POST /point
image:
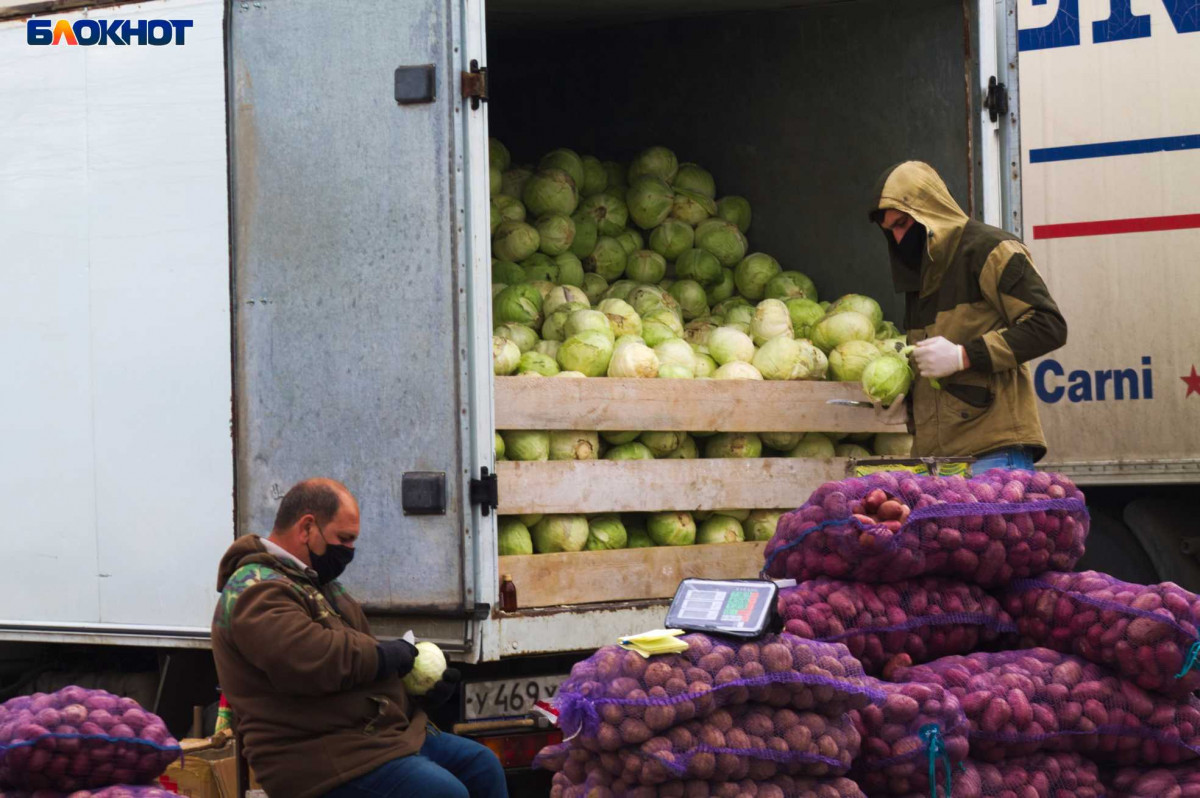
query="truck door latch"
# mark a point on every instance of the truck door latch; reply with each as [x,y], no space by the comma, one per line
[475,84]
[996,101]
[484,491]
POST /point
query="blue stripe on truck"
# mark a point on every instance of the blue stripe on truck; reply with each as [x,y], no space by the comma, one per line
[1108,149]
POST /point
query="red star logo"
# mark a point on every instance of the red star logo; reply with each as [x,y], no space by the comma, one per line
[1193,383]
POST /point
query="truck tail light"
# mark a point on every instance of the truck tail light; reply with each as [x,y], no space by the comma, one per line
[518,750]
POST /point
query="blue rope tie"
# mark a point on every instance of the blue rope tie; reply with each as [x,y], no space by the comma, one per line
[935,746]
[1193,655]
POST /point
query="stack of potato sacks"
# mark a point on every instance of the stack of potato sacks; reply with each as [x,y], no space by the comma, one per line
[1026,679]
[769,717]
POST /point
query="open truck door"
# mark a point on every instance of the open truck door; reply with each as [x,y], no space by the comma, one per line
[361,343]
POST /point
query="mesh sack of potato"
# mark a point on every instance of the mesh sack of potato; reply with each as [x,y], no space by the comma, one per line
[1146,633]
[590,780]
[902,623]
[81,739]
[616,698]
[1037,776]
[914,739]
[1182,781]
[892,526]
[1036,700]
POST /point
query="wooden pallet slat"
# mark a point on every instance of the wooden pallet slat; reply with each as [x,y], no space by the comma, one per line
[684,405]
[588,577]
[600,486]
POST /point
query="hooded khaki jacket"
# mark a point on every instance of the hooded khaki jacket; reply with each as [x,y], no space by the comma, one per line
[298,665]
[977,286]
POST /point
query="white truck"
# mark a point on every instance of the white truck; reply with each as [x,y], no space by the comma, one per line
[257,250]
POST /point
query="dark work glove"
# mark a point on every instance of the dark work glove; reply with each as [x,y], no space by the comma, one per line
[395,656]
[441,692]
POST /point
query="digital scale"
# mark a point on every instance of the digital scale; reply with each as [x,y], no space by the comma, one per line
[737,607]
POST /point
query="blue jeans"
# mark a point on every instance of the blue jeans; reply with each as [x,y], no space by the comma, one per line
[448,766]
[1012,457]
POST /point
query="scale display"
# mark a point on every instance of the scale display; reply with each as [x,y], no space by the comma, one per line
[740,607]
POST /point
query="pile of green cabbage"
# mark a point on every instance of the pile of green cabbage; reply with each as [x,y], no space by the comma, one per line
[543,445]
[547,534]
[640,270]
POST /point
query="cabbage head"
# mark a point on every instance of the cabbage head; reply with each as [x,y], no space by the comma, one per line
[606,532]
[587,352]
[428,668]
[838,328]
[719,529]
[727,345]
[847,361]
[514,537]
[556,533]
[671,528]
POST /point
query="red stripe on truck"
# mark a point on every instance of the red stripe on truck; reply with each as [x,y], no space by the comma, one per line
[1108,227]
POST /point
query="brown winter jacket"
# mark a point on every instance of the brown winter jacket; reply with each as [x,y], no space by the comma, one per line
[298,666]
[977,286]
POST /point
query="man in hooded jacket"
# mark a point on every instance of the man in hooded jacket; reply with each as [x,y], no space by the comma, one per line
[977,311]
[318,700]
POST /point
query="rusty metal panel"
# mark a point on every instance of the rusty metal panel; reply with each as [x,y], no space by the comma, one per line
[350,287]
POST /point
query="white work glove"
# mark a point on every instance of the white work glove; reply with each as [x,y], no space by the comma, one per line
[895,413]
[936,358]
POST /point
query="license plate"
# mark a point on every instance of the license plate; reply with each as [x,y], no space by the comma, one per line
[509,697]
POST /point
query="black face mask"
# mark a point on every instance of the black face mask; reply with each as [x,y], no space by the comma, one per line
[911,248]
[329,566]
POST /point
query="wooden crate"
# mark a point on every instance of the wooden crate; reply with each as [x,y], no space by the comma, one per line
[600,486]
[683,405]
[589,577]
[627,486]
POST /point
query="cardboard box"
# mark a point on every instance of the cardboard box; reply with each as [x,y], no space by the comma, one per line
[204,774]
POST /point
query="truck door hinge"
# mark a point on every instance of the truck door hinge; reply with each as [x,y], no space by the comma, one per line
[485,491]
[475,84]
[996,101]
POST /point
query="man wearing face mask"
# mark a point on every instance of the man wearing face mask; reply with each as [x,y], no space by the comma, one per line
[319,701]
[977,311]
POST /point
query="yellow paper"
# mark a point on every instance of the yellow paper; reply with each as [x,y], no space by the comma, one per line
[654,642]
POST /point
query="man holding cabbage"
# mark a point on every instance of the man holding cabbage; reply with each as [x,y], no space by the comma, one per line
[324,708]
[976,311]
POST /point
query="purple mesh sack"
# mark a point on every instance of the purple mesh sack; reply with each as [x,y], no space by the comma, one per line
[1037,776]
[1024,702]
[115,791]
[1146,633]
[617,698]
[740,742]
[916,738]
[908,622]
[77,739]
[891,526]
[591,781]
[1177,782]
